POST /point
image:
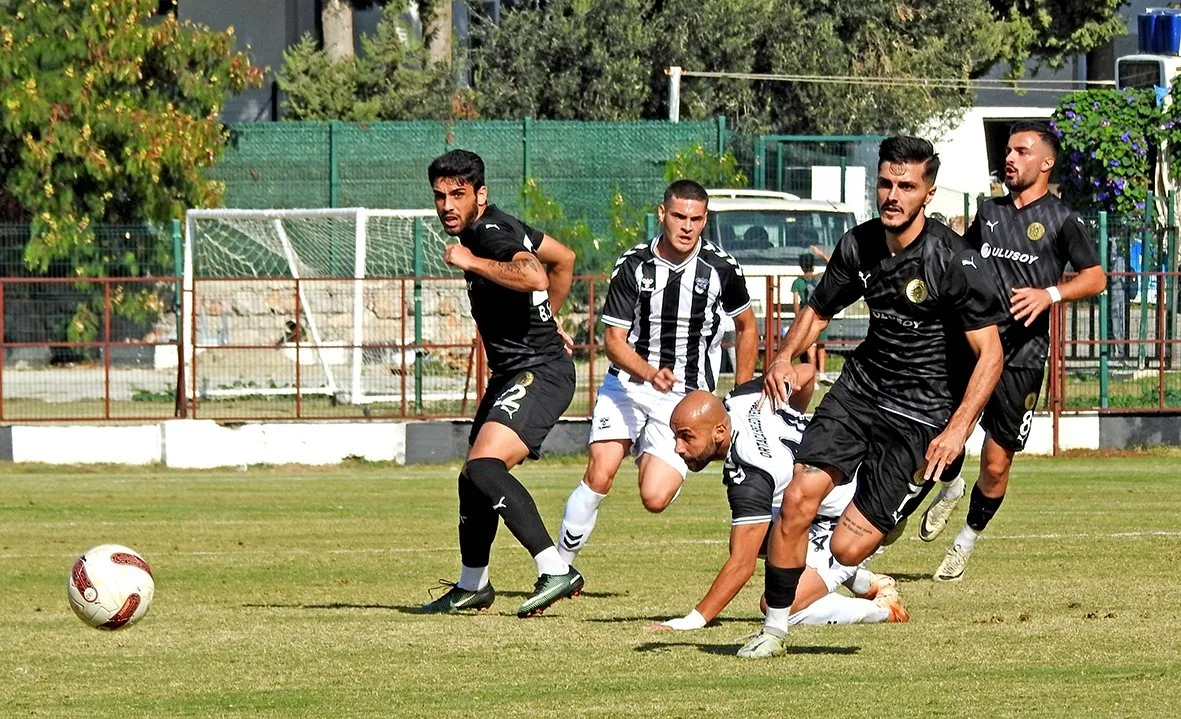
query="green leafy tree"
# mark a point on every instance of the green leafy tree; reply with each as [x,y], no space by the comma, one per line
[393,80]
[1051,31]
[572,60]
[107,118]
[711,170]
[605,60]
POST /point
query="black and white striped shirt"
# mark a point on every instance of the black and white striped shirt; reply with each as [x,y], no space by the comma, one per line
[672,311]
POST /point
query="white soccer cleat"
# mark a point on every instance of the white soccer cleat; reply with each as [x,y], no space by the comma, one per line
[890,600]
[951,569]
[937,514]
[764,644]
[880,583]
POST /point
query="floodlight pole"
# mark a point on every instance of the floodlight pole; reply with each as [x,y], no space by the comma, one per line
[674,93]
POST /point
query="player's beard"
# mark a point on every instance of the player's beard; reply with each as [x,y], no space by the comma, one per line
[465,221]
[1020,182]
[906,221]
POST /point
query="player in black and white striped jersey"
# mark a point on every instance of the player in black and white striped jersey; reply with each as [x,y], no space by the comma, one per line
[664,314]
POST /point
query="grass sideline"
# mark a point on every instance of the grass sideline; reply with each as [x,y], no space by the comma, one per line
[289,592]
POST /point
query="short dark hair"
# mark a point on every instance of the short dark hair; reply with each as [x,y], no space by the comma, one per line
[463,165]
[686,190]
[906,150]
[807,262]
[1043,131]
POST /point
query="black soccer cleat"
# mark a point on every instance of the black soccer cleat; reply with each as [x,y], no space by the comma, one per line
[458,600]
[549,589]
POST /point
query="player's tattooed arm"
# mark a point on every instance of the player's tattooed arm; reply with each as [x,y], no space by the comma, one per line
[559,267]
[523,272]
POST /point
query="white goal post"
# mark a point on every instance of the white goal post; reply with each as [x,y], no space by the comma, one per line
[331,255]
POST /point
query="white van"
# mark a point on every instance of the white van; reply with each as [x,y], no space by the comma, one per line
[768,231]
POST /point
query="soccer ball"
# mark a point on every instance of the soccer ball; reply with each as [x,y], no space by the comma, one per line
[110,587]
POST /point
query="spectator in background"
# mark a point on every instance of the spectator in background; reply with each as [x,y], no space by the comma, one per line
[801,290]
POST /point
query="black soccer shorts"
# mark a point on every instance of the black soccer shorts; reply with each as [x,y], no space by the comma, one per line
[888,452]
[1008,415]
[529,402]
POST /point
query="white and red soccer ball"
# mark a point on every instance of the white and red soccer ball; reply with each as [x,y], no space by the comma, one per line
[111,587]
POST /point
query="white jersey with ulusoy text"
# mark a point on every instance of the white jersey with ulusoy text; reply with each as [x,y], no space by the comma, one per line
[673,313]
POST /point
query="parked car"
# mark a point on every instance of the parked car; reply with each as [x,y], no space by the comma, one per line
[767,232]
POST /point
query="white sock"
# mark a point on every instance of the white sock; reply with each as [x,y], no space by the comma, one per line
[549,562]
[472,579]
[838,609]
[861,581]
[777,620]
[966,539]
[582,509]
[953,487]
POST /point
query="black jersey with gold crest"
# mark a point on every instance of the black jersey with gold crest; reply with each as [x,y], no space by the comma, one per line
[1029,247]
[921,301]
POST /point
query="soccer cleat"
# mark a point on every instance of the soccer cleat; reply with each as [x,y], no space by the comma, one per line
[458,600]
[879,584]
[549,589]
[890,600]
[951,569]
[937,514]
[763,644]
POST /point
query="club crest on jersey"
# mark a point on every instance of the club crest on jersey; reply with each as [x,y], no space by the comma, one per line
[1035,231]
[916,290]
[701,285]
[1031,400]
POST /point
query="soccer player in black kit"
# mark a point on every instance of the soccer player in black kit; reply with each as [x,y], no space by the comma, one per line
[1028,235]
[513,299]
[907,397]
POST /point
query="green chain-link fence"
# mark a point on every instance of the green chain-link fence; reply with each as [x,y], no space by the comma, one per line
[383,164]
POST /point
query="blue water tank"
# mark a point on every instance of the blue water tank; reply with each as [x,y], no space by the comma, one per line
[1147,30]
[1166,35]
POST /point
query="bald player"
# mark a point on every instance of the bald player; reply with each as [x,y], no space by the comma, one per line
[758,445]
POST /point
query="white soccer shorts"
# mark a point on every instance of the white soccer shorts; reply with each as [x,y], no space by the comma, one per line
[639,413]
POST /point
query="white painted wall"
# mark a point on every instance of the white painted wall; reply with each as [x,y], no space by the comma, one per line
[202,444]
[82,444]
[196,444]
[1079,431]
[964,159]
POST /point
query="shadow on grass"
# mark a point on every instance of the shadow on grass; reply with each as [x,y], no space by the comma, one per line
[720,620]
[732,649]
[910,576]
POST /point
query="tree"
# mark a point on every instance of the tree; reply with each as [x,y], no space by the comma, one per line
[572,60]
[605,60]
[108,118]
[336,21]
[393,80]
[1050,31]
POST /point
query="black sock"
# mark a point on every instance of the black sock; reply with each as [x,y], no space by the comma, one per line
[780,585]
[477,524]
[981,508]
[512,502]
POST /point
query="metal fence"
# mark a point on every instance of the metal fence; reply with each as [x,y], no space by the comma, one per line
[383,164]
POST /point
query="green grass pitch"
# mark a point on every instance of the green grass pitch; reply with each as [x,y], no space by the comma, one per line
[289,592]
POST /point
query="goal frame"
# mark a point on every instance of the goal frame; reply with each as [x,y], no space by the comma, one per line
[360,216]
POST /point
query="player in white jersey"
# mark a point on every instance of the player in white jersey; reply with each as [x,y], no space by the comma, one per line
[664,314]
[758,445]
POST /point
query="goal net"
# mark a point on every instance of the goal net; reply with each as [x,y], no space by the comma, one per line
[335,302]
